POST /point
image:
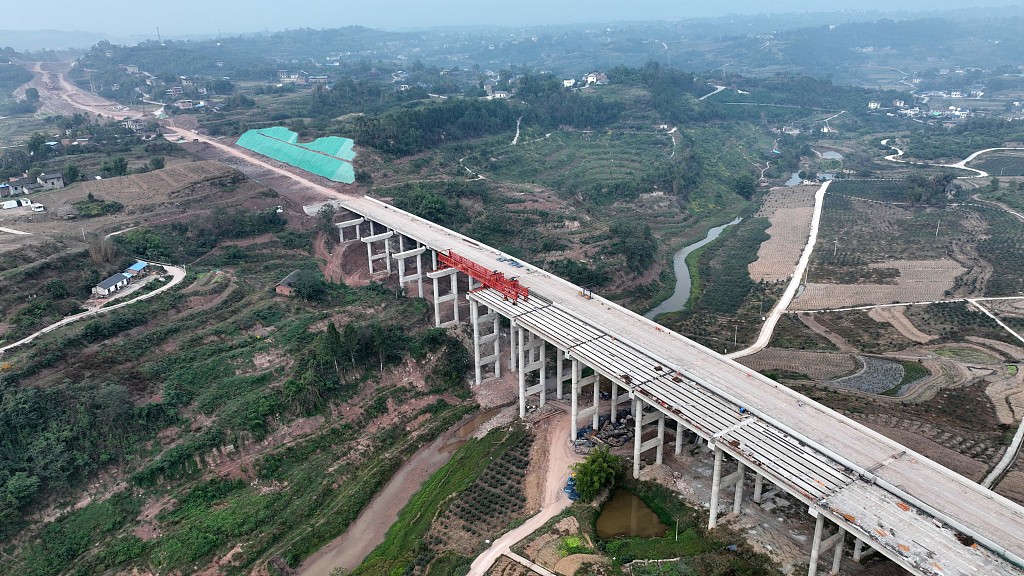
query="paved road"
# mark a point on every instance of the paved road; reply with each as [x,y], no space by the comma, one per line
[765,336]
[177,275]
[962,165]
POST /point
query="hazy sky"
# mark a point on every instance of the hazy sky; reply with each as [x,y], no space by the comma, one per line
[132,17]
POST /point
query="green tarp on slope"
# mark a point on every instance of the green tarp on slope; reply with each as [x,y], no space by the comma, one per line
[329,157]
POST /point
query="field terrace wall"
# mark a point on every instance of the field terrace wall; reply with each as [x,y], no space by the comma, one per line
[890,499]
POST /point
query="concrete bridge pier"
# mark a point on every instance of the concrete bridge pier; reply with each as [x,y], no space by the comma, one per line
[402,256]
[452,296]
[641,419]
[374,255]
[616,400]
[559,372]
[819,546]
[486,342]
[719,483]
[530,358]
[355,223]
[859,551]
[576,388]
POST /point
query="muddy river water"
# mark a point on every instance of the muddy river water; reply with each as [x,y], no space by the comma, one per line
[677,301]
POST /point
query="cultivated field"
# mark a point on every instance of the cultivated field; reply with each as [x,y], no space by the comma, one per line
[790,211]
[819,366]
[1000,163]
[916,281]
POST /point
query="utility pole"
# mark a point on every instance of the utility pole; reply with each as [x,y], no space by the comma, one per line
[735,329]
[835,247]
[937,228]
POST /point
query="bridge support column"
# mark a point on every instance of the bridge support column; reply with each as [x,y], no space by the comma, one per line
[531,357]
[578,383]
[738,497]
[716,486]
[401,258]
[482,337]
[719,483]
[679,438]
[638,419]
[574,402]
[356,223]
[758,488]
[596,418]
[639,446]
[513,345]
[383,237]
[522,375]
[559,372]
[660,454]
[818,546]
[859,551]
[452,296]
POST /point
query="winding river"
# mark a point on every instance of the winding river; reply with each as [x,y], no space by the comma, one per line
[677,301]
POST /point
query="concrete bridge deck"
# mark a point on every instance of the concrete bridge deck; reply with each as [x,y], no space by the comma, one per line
[899,502]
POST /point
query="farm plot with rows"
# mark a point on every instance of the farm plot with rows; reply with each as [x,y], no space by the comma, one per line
[916,281]
[486,508]
[877,376]
[1000,163]
[855,233]
[957,321]
[819,366]
[789,210]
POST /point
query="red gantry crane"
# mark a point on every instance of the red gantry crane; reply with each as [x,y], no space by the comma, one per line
[509,287]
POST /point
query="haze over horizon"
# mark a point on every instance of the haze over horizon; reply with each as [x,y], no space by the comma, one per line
[122,18]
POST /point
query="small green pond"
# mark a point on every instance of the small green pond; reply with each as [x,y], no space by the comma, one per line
[627,515]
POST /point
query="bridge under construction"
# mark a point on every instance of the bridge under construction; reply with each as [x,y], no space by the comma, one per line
[857,484]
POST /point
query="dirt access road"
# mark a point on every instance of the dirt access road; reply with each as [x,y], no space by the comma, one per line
[553,499]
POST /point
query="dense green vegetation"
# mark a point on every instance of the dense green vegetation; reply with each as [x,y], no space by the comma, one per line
[597,472]
[186,241]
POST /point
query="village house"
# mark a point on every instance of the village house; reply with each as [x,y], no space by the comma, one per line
[599,78]
[23,186]
[111,285]
[286,286]
[51,181]
[874,105]
[121,279]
